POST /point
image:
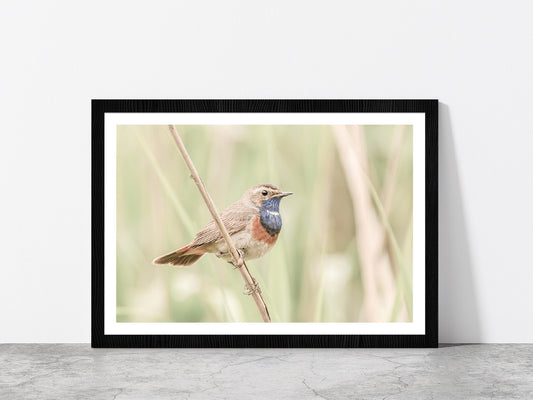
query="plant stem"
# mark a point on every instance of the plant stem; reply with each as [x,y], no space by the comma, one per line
[251,283]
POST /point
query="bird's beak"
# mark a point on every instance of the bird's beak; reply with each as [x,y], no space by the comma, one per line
[283,194]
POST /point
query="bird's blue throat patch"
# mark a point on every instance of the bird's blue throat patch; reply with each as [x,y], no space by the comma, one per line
[270,218]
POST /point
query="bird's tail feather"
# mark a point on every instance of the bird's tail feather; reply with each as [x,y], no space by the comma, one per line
[184,256]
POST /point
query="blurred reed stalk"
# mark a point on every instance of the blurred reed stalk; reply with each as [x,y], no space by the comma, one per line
[389,184]
[387,196]
[392,168]
[250,282]
[376,271]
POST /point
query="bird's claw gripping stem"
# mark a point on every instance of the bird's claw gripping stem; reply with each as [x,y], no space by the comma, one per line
[240,261]
[254,289]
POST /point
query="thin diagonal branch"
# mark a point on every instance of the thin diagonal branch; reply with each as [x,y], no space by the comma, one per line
[251,283]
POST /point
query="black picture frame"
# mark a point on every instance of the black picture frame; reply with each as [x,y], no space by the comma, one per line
[428,107]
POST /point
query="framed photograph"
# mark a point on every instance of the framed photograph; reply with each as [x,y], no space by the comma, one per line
[264,223]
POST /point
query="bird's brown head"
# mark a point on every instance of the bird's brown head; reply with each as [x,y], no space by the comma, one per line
[264,194]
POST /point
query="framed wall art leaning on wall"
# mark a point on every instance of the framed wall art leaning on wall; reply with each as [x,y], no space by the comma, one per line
[264,223]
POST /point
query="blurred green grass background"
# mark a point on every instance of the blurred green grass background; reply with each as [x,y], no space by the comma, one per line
[334,260]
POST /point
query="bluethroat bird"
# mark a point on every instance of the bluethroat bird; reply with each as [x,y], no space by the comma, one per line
[253,223]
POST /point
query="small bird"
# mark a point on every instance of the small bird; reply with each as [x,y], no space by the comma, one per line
[253,223]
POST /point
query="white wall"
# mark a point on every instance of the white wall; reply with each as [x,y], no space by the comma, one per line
[474,56]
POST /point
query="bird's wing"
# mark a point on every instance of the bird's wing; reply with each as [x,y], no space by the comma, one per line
[235,218]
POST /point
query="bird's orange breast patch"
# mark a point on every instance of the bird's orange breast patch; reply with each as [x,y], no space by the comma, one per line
[259,233]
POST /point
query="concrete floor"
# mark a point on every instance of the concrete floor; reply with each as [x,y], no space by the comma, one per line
[66,371]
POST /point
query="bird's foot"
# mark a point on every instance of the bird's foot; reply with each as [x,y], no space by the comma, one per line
[254,289]
[229,258]
[240,261]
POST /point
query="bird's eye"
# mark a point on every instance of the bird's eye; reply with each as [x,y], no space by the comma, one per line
[264,192]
